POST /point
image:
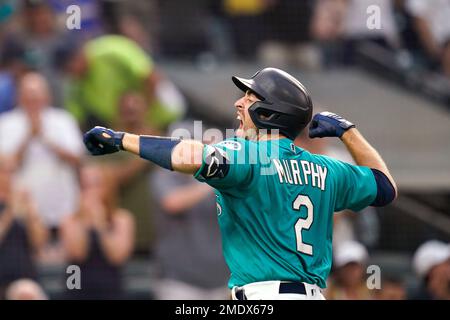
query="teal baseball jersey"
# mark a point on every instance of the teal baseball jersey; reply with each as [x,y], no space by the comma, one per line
[275,204]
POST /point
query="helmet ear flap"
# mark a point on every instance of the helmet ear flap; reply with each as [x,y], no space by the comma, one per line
[263,117]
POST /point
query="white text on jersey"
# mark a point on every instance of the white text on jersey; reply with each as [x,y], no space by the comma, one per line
[301,172]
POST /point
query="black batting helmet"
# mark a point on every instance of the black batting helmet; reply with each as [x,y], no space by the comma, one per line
[285,103]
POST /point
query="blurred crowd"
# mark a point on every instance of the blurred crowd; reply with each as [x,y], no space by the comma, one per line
[60,207]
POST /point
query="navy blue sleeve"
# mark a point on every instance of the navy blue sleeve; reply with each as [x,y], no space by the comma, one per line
[158,150]
[385,189]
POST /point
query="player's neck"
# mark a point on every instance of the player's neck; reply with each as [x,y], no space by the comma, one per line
[269,136]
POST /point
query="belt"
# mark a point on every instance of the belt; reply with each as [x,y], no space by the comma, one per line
[292,287]
[285,287]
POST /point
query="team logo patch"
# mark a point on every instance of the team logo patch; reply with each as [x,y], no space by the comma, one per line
[232,145]
[293,149]
[216,161]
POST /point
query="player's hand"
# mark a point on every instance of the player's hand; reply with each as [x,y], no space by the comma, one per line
[328,124]
[100,141]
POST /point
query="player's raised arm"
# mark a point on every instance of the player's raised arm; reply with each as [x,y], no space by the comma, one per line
[364,154]
[327,124]
[170,153]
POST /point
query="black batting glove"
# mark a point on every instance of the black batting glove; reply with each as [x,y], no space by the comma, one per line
[328,124]
[100,141]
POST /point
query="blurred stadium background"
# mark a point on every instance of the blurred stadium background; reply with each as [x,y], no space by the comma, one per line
[150,66]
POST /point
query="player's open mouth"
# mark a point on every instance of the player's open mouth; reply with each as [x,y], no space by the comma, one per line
[241,123]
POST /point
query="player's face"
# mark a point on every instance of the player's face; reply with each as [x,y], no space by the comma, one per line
[247,128]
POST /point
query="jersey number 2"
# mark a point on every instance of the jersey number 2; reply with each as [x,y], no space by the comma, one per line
[303,223]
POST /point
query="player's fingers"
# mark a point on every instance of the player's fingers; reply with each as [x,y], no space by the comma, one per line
[90,139]
[91,148]
[315,132]
[313,128]
[91,143]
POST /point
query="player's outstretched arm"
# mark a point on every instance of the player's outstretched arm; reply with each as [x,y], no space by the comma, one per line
[171,153]
[327,124]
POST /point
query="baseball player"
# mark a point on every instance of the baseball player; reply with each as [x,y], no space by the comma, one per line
[275,201]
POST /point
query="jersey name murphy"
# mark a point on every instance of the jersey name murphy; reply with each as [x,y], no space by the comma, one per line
[301,172]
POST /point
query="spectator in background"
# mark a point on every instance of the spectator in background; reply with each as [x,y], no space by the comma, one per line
[13,65]
[289,41]
[347,21]
[122,65]
[141,21]
[132,111]
[433,28]
[133,173]
[32,134]
[130,27]
[40,36]
[183,27]
[188,245]
[247,24]
[327,20]
[8,20]
[348,281]
[392,288]
[22,233]
[25,289]
[99,237]
[431,263]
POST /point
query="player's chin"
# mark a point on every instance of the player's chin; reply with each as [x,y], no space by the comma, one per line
[240,133]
